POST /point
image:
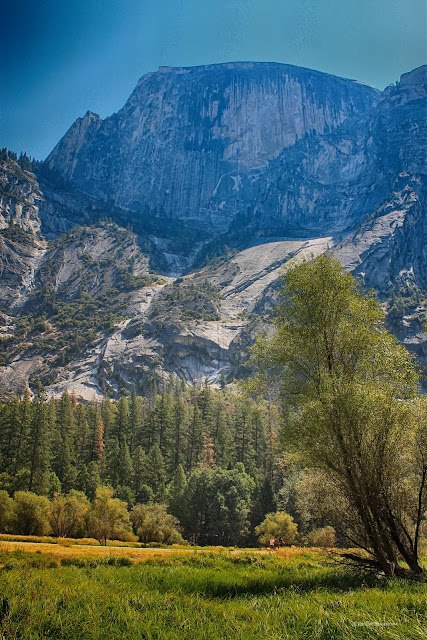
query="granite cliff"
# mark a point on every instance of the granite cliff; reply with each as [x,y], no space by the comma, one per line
[152,241]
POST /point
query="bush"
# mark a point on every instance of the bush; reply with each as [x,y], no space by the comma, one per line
[67,513]
[279,525]
[152,523]
[30,514]
[324,537]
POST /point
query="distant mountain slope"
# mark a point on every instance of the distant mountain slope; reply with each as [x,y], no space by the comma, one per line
[152,242]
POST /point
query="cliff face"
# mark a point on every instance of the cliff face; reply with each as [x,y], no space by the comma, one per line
[189,140]
[332,182]
[277,161]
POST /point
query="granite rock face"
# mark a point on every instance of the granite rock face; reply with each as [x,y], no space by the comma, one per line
[277,161]
[189,142]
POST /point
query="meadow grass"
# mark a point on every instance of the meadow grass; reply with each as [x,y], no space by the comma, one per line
[215,594]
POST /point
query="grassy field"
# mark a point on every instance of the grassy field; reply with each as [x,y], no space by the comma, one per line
[75,592]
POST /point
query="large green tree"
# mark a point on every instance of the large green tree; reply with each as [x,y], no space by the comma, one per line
[348,401]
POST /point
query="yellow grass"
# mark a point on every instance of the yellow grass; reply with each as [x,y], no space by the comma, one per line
[69,548]
[59,551]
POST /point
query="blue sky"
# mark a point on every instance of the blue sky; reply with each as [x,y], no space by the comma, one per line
[59,58]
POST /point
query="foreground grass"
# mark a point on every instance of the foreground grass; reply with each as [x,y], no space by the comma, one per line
[212,595]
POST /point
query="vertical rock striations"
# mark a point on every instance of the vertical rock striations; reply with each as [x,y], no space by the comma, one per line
[190,141]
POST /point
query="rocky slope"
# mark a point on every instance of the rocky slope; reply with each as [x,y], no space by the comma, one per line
[275,161]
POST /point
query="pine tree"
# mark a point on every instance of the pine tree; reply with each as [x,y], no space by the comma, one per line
[125,465]
[175,495]
[121,423]
[64,439]
[112,466]
[93,479]
[194,438]
[221,434]
[163,422]
[98,441]
[156,476]
[140,474]
[135,420]
[208,454]
[180,423]
[82,432]
[108,418]
[39,450]
[22,427]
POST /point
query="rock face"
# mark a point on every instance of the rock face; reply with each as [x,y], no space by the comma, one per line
[189,141]
[277,161]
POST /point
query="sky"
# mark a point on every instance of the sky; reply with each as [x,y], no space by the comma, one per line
[59,58]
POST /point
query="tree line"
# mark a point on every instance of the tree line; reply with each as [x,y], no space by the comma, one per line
[208,455]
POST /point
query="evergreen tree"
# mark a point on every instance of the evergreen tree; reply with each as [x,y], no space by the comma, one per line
[64,439]
[121,422]
[125,465]
[93,479]
[180,423]
[98,441]
[135,420]
[140,474]
[39,447]
[175,495]
[163,423]
[194,438]
[113,456]
[82,433]
[108,418]
[156,476]
[22,429]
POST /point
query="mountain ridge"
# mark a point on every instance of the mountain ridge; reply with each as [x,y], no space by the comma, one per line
[186,291]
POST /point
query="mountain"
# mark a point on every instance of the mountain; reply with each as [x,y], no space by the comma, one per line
[152,241]
[189,141]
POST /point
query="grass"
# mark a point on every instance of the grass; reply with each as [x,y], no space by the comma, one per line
[215,594]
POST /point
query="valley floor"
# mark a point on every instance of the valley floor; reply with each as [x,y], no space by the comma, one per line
[87,592]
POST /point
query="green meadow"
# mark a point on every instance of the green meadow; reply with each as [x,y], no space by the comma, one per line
[206,595]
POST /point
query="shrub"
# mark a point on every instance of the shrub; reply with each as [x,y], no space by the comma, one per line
[324,537]
[152,523]
[279,525]
[30,514]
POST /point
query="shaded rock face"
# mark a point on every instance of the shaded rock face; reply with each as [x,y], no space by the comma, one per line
[190,141]
[334,181]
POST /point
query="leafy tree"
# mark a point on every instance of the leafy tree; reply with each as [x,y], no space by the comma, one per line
[67,514]
[108,517]
[30,516]
[152,523]
[278,525]
[346,387]
[218,503]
